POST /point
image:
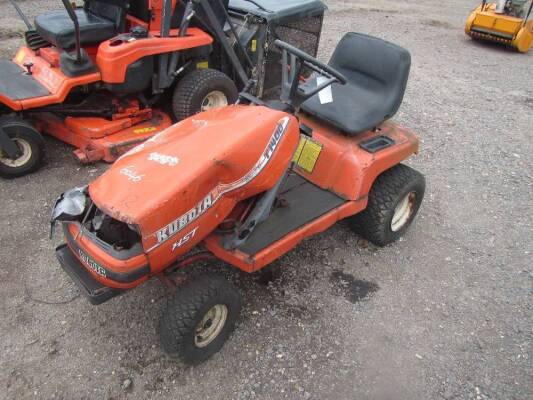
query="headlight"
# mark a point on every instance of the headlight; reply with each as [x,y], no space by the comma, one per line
[69,207]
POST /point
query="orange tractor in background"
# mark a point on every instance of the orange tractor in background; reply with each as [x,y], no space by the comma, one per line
[504,21]
[113,73]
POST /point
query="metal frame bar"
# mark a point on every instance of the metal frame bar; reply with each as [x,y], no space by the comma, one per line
[528,13]
[22,15]
[260,213]
[234,31]
[188,14]
[164,79]
[166,18]
[222,38]
[168,63]
[74,18]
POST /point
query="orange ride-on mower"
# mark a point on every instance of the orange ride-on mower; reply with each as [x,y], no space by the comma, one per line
[245,184]
[97,77]
[504,21]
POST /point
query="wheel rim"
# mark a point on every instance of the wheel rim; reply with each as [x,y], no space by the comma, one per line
[211,325]
[25,147]
[214,99]
[403,212]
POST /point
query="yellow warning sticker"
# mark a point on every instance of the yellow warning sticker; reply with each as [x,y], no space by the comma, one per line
[202,65]
[307,154]
[145,130]
[253,46]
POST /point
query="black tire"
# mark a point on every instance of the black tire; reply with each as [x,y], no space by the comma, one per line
[194,88]
[375,223]
[186,309]
[29,140]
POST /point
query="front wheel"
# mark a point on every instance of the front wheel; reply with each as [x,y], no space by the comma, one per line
[199,319]
[202,90]
[393,203]
[30,143]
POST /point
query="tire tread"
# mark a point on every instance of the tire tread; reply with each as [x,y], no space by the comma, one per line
[372,222]
[36,142]
[181,313]
[183,100]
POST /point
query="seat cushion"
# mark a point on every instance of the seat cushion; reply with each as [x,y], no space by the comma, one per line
[354,109]
[377,72]
[57,28]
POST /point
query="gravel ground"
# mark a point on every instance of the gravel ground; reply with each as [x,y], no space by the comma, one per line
[446,313]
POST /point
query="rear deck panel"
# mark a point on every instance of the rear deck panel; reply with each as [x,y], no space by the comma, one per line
[17,84]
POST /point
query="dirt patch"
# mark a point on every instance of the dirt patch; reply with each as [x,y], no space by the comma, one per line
[9,46]
[6,33]
[354,9]
[353,289]
[438,24]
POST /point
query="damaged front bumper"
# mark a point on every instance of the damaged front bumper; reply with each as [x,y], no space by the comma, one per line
[95,292]
[100,267]
[99,281]
[116,268]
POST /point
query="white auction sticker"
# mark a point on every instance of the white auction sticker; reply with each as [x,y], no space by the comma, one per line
[325,95]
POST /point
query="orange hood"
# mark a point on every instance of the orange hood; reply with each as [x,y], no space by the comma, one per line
[172,172]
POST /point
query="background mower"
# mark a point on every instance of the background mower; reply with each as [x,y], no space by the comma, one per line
[504,21]
[113,73]
[245,184]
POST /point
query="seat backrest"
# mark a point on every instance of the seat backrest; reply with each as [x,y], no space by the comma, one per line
[374,64]
[112,10]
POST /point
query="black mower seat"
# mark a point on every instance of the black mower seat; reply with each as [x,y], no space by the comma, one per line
[377,72]
[99,21]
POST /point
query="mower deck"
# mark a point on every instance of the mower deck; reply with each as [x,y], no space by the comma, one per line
[16,84]
[98,139]
[304,202]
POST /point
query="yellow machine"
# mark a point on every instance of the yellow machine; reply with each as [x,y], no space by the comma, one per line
[504,21]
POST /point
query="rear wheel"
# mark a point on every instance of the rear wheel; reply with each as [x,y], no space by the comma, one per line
[202,90]
[30,143]
[393,203]
[199,318]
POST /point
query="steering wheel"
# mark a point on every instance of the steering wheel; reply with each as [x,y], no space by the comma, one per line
[293,93]
[311,62]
